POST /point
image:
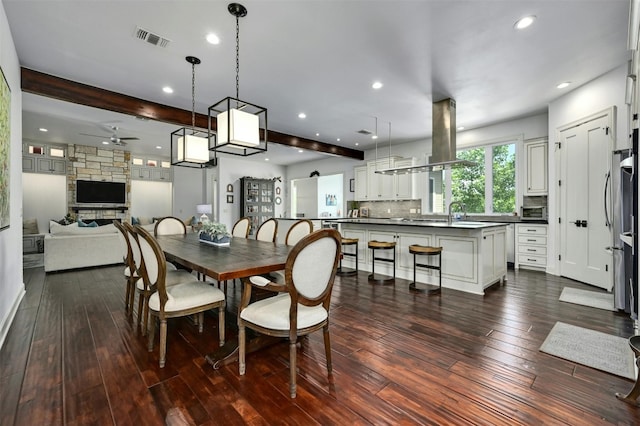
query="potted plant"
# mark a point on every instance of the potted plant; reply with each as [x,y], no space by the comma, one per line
[214,233]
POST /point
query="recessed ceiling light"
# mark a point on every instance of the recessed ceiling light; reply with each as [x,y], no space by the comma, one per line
[357,144]
[374,136]
[300,151]
[460,127]
[302,115]
[266,159]
[158,147]
[167,89]
[317,134]
[563,84]
[525,22]
[213,39]
[42,129]
[377,85]
[338,140]
[105,143]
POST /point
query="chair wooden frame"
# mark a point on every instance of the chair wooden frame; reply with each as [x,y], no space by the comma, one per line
[236,231]
[159,285]
[265,225]
[289,287]
[291,233]
[132,277]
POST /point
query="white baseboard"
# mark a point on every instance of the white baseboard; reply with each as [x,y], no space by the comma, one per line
[8,320]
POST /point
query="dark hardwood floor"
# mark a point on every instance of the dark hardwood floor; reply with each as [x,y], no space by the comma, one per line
[73,357]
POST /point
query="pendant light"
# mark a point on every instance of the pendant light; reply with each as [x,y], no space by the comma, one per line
[190,146]
[241,127]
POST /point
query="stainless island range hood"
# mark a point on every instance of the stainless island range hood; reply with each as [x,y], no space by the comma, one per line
[443,151]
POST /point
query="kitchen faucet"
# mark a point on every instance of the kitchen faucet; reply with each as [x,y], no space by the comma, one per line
[460,205]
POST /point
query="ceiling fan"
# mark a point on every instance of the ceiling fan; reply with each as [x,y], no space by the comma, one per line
[114,139]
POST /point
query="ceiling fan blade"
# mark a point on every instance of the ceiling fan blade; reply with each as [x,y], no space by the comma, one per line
[129,139]
[95,136]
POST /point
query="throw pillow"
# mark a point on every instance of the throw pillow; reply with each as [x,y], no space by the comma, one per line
[30,226]
[82,224]
[135,220]
[144,220]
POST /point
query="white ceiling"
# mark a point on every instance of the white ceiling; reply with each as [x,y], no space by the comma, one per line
[315,56]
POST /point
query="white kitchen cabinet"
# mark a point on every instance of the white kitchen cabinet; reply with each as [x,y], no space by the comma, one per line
[51,165]
[531,246]
[379,186]
[494,254]
[361,183]
[403,184]
[151,169]
[537,167]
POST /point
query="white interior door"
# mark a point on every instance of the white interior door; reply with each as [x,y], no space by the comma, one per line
[584,232]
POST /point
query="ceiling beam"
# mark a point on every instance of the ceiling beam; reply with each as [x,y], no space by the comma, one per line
[66,90]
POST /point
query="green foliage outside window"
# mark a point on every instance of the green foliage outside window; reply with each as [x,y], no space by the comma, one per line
[468,183]
[504,178]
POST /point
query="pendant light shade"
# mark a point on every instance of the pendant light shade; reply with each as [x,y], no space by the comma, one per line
[190,146]
[240,126]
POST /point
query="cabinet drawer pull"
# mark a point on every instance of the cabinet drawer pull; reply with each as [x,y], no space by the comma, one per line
[532,250]
[532,260]
[532,241]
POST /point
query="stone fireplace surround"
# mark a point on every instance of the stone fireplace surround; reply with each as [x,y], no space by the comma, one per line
[92,163]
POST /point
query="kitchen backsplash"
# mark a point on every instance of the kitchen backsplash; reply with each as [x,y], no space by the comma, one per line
[409,208]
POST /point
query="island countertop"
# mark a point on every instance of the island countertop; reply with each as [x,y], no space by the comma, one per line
[425,223]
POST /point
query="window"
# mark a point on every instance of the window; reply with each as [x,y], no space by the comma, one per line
[487,188]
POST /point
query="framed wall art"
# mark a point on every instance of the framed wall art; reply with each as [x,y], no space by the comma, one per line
[5,148]
[229,188]
[230,199]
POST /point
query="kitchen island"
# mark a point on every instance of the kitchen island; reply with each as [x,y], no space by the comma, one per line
[474,254]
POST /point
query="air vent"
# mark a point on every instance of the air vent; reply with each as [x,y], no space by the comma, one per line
[365,132]
[149,37]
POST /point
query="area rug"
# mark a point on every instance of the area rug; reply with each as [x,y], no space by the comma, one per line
[591,348]
[593,299]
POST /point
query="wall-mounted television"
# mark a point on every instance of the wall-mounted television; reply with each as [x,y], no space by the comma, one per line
[96,192]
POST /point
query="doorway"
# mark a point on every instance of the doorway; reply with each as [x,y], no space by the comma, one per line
[584,151]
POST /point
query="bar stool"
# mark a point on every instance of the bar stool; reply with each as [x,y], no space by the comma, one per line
[416,250]
[347,242]
[382,245]
[634,393]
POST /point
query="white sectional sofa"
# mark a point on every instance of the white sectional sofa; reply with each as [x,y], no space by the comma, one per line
[71,246]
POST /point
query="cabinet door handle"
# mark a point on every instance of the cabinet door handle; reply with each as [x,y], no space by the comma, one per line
[531,241]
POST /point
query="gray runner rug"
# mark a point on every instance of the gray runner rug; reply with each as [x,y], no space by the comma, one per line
[593,299]
[591,348]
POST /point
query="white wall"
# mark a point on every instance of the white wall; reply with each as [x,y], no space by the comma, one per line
[152,199]
[189,190]
[595,96]
[11,278]
[44,197]
[230,170]
[305,192]
[330,185]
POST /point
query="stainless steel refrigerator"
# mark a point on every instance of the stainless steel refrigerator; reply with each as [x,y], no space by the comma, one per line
[624,190]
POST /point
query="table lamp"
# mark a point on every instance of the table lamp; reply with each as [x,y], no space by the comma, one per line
[204,209]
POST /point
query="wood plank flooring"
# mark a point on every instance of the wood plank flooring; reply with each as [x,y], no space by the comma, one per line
[74,357]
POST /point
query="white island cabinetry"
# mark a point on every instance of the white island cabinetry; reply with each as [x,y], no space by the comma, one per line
[473,258]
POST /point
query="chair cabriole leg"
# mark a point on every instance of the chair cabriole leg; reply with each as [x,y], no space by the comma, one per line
[221,324]
[327,347]
[241,349]
[292,367]
[163,342]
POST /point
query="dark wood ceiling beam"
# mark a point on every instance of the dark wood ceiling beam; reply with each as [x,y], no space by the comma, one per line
[70,91]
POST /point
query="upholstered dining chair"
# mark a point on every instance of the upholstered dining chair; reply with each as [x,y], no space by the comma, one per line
[169,226]
[139,286]
[129,266]
[303,306]
[298,230]
[267,231]
[183,299]
[241,228]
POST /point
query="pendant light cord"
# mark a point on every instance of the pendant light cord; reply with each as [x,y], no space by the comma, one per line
[237,59]
[193,98]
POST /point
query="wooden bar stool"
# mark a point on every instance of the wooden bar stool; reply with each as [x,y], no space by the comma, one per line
[416,250]
[382,245]
[348,242]
[634,393]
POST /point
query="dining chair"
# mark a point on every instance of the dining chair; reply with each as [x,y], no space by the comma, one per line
[179,300]
[303,306]
[241,227]
[298,230]
[267,231]
[139,286]
[169,226]
[129,269]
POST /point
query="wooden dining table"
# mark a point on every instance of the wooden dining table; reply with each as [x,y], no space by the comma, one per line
[243,257]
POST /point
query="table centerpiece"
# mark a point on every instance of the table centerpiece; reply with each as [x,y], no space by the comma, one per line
[214,233]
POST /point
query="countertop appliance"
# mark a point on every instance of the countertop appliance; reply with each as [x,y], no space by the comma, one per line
[533,213]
